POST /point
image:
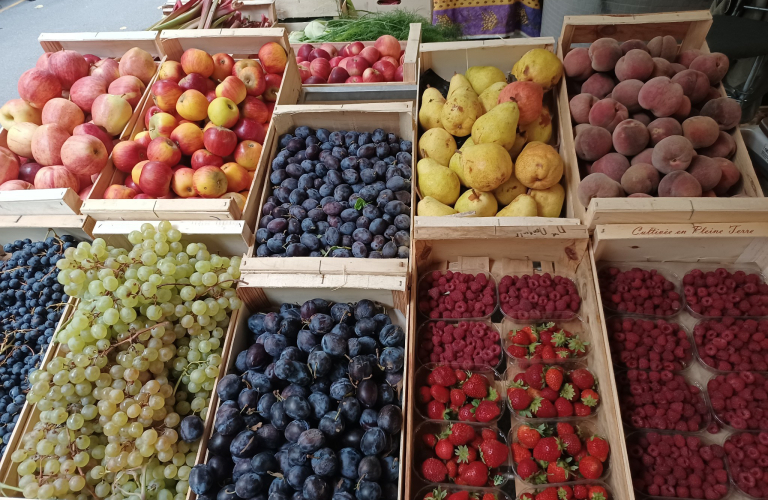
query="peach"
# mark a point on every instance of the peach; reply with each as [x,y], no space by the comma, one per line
[695,84]
[630,138]
[677,67]
[599,85]
[662,67]
[528,96]
[634,44]
[613,165]
[626,93]
[592,143]
[714,65]
[679,184]
[604,52]
[607,113]
[726,112]
[641,117]
[702,131]
[661,128]
[712,93]
[580,106]
[640,178]
[672,153]
[668,48]
[645,156]
[577,64]
[660,96]
[686,57]
[706,171]
[598,185]
[723,147]
[639,195]
[634,65]
[684,110]
[730,176]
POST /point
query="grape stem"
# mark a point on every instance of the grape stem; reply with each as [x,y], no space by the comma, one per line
[8,486]
[136,334]
[185,372]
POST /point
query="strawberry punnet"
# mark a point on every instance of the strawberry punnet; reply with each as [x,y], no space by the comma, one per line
[454,394]
[532,393]
[545,342]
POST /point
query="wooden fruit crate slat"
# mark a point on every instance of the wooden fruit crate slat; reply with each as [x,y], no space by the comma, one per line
[37,227]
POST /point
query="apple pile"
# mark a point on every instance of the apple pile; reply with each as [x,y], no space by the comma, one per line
[205,131]
[72,106]
[354,63]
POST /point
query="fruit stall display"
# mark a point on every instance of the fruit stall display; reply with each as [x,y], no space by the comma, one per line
[481,138]
[53,147]
[644,115]
[171,156]
[151,329]
[488,317]
[690,382]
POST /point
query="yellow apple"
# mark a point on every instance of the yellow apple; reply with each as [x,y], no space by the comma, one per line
[237,177]
[136,172]
[161,125]
[182,182]
[192,105]
[247,154]
[188,136]
[238,197]
[223,112]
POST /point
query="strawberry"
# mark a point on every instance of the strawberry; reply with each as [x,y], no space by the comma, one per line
[459,495]
[488,496]
[475,474]
[580,492]
[425,395]
[440,393]
[457,397]
[545,337]
[527,469]
[461,433]
[461,375]
[493,394]
[436,410]
[548,353]
[557,472]
[581,454]
[571,443]
[486,411]
[519,452]
[570,392]
[467,413]
[444,449]
[517,351]
[562,352]
[564,428]
[546,409]
[520,379]
[434,470]
[565,493]
[431,379]
[590,397]
[534,376]
[430,440]
[596,492]
[436,494]
[547,449]
[444,376]
[493,453]
[598,447]
[476,386]
[524,496]
[487,434]
[564,407]
[581,410]
[520,337]
[477,441]
[529,436]
[554,378]
[582,378]
[547,494]
[466,454]
[549,394]
[590,467]
[518,398]
[453,468]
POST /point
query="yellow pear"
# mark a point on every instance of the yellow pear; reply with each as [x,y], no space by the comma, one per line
[431,105]
[517,147]
[482,77]
[437,144]
[539,166]
[540,66]
[459,113]
[471,95]
[490,96]
[458,81]
[455,163]
[430,207]
[522,206]
[498,126]
[539,130]
[437,181]
[486,166]
[483,204]
[510,190]
[549,202]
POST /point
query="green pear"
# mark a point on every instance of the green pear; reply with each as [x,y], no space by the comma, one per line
[483,204]
[522,206]
[430,207]
[509,190]
[498,126]
[482,77]
[431,105]
[438,181]
[490,96]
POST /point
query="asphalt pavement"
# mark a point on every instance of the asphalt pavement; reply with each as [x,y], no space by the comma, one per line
[22,21]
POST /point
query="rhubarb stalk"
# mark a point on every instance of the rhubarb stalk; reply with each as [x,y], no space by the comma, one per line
[179,20]
[209,16]
[178,11]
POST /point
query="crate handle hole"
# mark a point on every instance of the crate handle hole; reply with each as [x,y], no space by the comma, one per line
[388,2]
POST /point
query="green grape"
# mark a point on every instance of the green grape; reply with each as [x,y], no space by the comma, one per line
[210,279]
[110,283]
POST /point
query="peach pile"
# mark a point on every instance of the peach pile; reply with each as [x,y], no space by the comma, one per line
[650,121]
[205,131]
[72,106]
[353,63]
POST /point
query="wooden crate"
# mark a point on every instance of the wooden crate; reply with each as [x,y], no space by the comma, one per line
[252,9]
[328,272]
[37,228]
[690,28]
[240,43]
[565,256]
[370,92]
[309,9]
[449,58]
[66,201]
[420,7]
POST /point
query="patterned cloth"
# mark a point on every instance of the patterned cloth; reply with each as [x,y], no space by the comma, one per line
[490,18]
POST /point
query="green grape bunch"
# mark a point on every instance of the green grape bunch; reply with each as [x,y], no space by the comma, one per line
[140,353]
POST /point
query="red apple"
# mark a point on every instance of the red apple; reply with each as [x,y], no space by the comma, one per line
[130,184]
[222,66]
[271,109]
[171,70]
[129,88]
[304,71]
[335,61]
[56,177]
[86,90]
[355,48]
[28,171]
[398,74]
[9,165]
[182,182]
[255,109]
[152,111]
[304,51]
[194,81]
[38,87]
[242,64]
[127,154]
[356,66]
[119,192]
[210,96]
[139,63]
[354,79]
[203,157]
[388,46]
[209,182]
[143,138]
[343,63]
[197,61]
[92,59]
[189,138]
[254,79]
[386,68]
[344,51]
[300,60]
[65,113]
[273,87]
[219,141]
[68,66]
[394,61]
[237,177]
[43,60]
[163,150]
[330,49]
[97,132]
[165,93]
[370,54]
[273,58]
[85,192]
[250,130]
[372,76]
[155,178]
[106,69]
[247,154]
[84,154]
[232,88]
[16,185]
[47,144]
[321,68]
[315,80]
[318,54]
[161,124]
[338,75]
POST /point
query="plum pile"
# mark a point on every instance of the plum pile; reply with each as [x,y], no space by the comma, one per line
[538,296]
[748,462]
[677,466]
[638,291]
[31,304]
[467,344]
[723,293]
[456,295]
[732,344]
[648,344]
[313,410]
[661,400]
[740,400]
[338,194]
